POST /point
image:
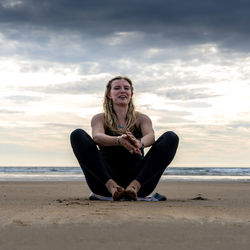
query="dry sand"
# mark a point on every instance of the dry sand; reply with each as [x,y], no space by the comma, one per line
[58,215]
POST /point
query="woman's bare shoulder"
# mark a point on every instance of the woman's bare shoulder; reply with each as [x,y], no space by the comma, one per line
[142,117]
[97,118]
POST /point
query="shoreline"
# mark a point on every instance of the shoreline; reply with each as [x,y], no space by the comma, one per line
[165,178]
[58,215]
[231,174]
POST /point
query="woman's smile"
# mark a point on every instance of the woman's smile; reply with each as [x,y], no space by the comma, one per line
[123,96]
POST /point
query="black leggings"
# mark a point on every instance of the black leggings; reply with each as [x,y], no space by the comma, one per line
[98,169]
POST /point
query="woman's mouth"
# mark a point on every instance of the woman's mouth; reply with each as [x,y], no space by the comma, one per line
[123,96]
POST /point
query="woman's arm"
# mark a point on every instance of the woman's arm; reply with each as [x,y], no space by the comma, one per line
[98,132]
[148,134]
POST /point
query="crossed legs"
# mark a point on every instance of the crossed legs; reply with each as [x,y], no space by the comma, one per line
[145,177]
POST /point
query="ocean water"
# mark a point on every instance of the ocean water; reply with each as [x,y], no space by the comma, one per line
[171,174]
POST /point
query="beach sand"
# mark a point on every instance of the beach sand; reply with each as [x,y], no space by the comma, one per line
[58,215]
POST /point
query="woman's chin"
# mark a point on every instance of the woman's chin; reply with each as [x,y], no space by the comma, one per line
[122,103]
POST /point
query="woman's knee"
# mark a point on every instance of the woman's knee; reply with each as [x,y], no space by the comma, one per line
[171,136]
[77,134]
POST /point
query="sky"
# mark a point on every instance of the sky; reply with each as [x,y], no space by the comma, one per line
[189,62]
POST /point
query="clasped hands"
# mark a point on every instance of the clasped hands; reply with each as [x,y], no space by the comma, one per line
[129,142]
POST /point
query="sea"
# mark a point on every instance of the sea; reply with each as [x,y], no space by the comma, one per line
[37,173]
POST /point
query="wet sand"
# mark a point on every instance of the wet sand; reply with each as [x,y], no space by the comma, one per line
[58,215]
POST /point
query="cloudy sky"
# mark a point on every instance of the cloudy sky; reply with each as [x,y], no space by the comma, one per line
[189,61]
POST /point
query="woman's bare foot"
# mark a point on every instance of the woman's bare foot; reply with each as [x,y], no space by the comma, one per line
[117,193]
[115,190]
[131,191]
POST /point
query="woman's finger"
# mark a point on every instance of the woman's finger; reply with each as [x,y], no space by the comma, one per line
[130,134]
[132,139]
[127,143]
[138,151]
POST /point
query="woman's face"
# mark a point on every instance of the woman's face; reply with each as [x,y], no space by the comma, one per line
[121,92]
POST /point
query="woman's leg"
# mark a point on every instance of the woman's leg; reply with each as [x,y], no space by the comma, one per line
[155,162]
[96,171]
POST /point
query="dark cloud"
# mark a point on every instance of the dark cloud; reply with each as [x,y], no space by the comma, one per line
[176,22]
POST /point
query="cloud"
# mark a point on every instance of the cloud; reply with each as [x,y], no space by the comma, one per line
[7,111]
[21,99]
[189,61]
[240,124]
[89,84]
[60,125]
[188,94]
[175,22]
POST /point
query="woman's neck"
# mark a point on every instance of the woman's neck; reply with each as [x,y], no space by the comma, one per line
[121,113]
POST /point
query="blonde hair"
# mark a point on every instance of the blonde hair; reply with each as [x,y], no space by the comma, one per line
[110,118]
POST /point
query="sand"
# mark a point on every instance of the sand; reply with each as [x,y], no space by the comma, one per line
[58,215]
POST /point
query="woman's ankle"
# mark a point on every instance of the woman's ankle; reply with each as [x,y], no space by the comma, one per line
[110,183]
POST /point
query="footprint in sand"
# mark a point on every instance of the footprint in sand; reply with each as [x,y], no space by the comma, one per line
[19,223]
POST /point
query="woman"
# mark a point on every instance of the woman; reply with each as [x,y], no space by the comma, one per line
[118,168]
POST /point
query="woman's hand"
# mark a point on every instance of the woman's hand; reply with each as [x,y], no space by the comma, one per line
[129,144]
[133,140]
[135,145]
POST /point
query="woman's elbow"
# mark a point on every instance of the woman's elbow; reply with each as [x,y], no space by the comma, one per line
[97,139]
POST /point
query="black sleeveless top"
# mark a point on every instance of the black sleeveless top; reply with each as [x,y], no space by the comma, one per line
[119,153]
[136,132]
